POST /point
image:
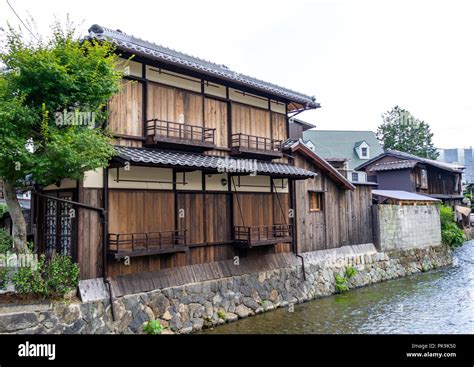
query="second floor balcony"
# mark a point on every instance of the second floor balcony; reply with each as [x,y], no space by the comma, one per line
[256,146]
[181,136]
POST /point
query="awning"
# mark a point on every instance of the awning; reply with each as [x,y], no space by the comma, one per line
[464,210]
[164,158]
[402,195]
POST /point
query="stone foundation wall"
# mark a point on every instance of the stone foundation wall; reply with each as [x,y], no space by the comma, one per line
[191,307]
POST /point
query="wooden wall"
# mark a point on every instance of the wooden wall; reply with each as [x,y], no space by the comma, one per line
[125,110]
[250,120]
[173,104]
[346,218]
[89,239]
[261,209]
[216,117]
[140,211]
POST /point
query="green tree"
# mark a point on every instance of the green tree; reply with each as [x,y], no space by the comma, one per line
[42,82]
[401,131]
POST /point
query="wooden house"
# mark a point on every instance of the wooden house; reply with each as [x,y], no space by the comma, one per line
[203,173]
[394,170]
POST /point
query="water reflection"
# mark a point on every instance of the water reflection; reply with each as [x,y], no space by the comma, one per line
[438,302]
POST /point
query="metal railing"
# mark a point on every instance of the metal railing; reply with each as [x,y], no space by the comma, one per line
[255,234]
[151,242]
[256,143]
[157,128]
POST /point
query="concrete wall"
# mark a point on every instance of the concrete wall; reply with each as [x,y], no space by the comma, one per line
[191,307]
[406,226]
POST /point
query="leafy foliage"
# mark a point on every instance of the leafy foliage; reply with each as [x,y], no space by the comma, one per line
[64,73]
[153,327]
[451,234]
[61,275]
[4,278]
[3,209]
[401,131]
[350,272]
[6,241]
[51,279]
[341,283]
[44,79]
[30,281]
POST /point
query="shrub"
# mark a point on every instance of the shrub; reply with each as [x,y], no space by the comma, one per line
[30,281]
[6,241]
[61,275]
[3,209]
[49,280]
[350,272]
[446,215]
[4,277]
[153,327]
[451,234]
[341,283]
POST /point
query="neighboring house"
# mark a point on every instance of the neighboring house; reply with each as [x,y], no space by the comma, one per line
[464,157]
[345,149]
[394,170]
[297,128]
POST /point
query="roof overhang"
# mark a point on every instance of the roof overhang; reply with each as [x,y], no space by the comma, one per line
[324,166]
[216,164]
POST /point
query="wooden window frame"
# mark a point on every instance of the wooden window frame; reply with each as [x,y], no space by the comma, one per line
[316,201]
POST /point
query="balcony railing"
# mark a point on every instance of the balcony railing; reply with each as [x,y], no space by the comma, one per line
[250,144]
[253,236]
[174,133]
[144,244]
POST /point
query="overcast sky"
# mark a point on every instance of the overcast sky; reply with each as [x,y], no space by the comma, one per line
[359,58]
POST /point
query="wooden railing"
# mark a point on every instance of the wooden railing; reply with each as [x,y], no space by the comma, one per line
[174,131]
[257,143]
[151,243]
[250,236]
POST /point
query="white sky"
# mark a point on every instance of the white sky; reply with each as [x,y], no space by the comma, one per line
[359,58]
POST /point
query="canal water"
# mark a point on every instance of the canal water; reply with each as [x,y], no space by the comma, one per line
[437,302]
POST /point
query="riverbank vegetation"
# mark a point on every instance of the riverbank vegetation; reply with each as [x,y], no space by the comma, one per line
[51,278]
[451,234]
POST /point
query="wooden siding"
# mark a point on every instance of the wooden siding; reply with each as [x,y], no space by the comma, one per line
[125,110]
[346,218]
[90,252]
[261,209]
[216,117]
[140,211]
[206,217]
[173,104]
[250,121]
[279,126]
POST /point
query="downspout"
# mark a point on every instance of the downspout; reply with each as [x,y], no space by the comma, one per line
[295,232]
[105,230]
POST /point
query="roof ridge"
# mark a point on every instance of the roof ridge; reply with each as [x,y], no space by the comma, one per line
[115,35]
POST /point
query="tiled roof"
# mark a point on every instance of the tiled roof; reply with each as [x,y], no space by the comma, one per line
[407,156]
[200,161]
[322,164]
[147,49]
[389,166]
[341,144]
